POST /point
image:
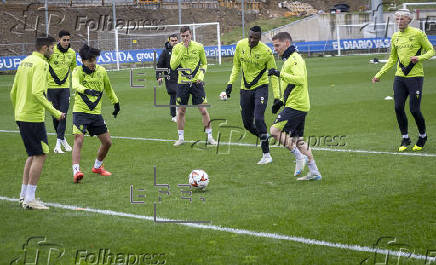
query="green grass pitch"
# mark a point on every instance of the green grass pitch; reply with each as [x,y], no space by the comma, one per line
[361,198]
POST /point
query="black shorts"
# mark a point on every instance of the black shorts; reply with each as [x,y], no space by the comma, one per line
[194,89]
[291,121]
[34,137]
[94,124]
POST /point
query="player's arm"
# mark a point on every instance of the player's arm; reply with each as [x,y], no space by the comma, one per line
[271,64]
[39,84]
[294,74]
[161,62]
[236,65]
[73,62]
[235,71]
[13,93]
[108,88]
[111,94]
[393,57]
[76,81]
[427,46]
[176,56]
[203,63]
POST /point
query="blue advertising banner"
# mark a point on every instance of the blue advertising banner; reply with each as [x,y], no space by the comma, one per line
[147,55]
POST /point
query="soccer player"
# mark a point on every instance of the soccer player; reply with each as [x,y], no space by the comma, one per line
[171,83]
[29,102]
[288,128]
[410,47]
[90,81]
[190,55]
[62,63]
[254,58]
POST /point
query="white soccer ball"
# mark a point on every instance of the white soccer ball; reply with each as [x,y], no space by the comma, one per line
[198,179]
[223,95]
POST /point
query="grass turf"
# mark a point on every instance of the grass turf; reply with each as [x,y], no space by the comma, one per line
[361,198]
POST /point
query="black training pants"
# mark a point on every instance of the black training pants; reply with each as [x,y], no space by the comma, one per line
[172,90]
[60,98]
[412,87]
[253,105]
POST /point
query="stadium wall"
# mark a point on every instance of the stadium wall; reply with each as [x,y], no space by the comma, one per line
[8,63]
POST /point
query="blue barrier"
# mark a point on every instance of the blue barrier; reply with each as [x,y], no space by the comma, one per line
[147,55]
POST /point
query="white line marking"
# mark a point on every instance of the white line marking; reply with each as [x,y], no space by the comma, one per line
[357,151]
[306,241]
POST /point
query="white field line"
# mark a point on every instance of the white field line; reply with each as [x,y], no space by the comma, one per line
[306,241]
[253,145]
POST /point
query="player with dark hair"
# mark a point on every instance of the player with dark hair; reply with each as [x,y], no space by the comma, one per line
[89,82]
[190,55]
[410,47]
[29,102]
[171,82]
[62,63]
[288,128]
[254,58]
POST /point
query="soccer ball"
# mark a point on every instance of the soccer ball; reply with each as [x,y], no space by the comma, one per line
[198,179]
[223,95]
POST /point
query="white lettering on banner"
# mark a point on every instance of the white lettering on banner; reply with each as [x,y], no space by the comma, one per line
[146,56]
[10,63]
[362,44]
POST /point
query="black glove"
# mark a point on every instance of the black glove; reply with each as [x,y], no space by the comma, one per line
[273,71]
[116,109]
[276,105]
[229,90]
[91,92]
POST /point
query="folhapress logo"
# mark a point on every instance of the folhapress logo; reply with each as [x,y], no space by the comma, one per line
[38,251]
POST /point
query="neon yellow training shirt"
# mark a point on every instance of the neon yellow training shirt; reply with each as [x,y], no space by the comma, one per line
[28,94]
[405,45]
[62,63]
[189,58]
[252,61]
[294,73]
[98,81]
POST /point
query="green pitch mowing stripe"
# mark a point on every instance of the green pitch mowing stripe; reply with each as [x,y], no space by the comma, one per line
[253,145]
[302,240]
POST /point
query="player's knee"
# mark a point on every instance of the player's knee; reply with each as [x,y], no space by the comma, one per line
[203,111]
[78,140]
[259,121]
[181,110]
[399,108]
[415,112]
[108,143]
[274,131]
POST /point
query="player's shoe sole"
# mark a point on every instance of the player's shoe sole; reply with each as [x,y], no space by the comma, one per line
[310,177]
[101,171]
[78,177]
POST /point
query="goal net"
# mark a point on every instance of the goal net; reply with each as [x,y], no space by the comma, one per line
[140,46]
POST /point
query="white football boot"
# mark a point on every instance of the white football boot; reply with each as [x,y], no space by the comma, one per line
[311,176]
[266,159]
[35,204]
[58,149]
[66,145]
[179,142]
